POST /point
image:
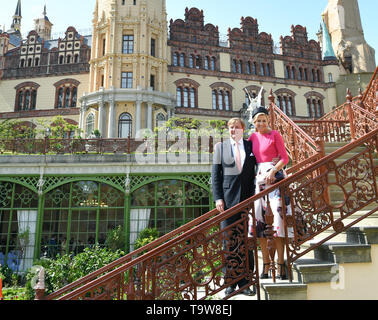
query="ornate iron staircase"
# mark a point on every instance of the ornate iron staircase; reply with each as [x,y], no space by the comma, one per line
[326,194]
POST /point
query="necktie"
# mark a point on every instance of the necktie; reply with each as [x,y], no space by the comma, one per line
[237,157]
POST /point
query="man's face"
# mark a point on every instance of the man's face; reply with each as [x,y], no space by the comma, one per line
[236,131]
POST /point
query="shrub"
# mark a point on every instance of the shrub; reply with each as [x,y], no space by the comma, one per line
[68,268]
[9,278]
[145,237]
[116,239]
[14,293]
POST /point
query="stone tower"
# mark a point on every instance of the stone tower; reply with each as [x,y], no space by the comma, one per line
[43,26]
[343,21]
[128,67]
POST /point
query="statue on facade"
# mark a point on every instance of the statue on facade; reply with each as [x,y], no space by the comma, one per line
[253,104]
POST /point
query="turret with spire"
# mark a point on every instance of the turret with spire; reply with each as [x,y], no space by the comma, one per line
[16,23]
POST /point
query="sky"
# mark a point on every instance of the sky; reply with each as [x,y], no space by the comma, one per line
[274,17]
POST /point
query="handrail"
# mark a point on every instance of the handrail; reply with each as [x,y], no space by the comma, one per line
[192,229]
[291,122]
[370,85]
[299,144]
[322,209]
[332,156]
[126,258]
[302,149]
[209,218]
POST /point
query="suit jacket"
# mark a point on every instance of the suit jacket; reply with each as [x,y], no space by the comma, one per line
[227,183]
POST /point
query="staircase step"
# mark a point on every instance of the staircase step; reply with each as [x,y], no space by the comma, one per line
[285,291]
[314,271]
[343,253]
[366,234]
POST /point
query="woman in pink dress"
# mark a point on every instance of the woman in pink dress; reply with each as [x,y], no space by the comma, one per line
[268,147]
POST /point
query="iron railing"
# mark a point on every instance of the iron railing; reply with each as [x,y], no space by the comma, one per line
[192,263]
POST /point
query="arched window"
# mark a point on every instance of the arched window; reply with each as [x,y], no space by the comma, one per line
[221,98]
[179,96]
[160,119]
[191,61]
[182,60]
[186,97]
[286,101]
[20,100]
[248,67]
[234,67]
[268,71]
[175,59]
[287,72]
[214,98]
[67,98]
[315,104]
[198,62]
[300,74]
[74,97]
[192,98]
[60,98]
[125,125]
[262,69]
[206,63]
[290,110]
[240,66]
[315,108]
[313,75]
[89,125]
[26,96]
[27,100]
[254,68]
[33,101]
[213,61]
[319,75]
[305,74]
[66,93]
[187,93]
[292,72]
[227,101]
[309,108]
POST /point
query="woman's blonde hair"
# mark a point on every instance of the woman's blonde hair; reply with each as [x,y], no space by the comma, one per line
[236,120]
[260,114]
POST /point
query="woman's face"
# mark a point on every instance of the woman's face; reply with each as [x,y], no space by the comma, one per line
[261,123]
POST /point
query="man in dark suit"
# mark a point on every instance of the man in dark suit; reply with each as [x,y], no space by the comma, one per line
[233,174]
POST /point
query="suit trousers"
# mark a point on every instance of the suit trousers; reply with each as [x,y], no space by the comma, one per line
[234,247]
